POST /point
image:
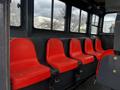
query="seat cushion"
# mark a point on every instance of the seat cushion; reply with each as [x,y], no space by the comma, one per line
[85,59]
[64,64]
[27,76]
[99,48]
[108,52]
[98,55]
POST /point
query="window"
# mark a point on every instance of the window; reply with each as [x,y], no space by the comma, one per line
[94,26]
[109,23]
[59,14]
[42,14]
[83,23]
[75,19]
[15,13]
[78,20]
[43,11]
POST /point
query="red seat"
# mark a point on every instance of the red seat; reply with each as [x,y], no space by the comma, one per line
[90,50]
[57,58]
[76,52]
[98,48]
[25,69]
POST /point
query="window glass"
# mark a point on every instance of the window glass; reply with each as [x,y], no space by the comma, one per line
[42,14]
[95,22]
[83,22]
[75,19]
[94,30]
[93,19]
[59,14]
[15,13]
[109,23]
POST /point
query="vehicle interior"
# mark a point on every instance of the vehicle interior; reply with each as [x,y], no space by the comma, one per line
[59,45]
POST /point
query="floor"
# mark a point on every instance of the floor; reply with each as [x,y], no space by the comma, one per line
[91,85]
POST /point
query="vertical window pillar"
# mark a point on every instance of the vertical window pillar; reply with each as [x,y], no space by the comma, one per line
[52,12]
[89,24]
[79,21]
[4,44]
[67,18]
[101,20]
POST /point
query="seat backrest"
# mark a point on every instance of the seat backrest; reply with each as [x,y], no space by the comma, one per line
[21,49]
[55,49]
[75,47]
[98,44]
[88,45]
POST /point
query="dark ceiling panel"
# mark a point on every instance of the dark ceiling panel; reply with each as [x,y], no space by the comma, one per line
[88,5]
[112,5]
[101,1]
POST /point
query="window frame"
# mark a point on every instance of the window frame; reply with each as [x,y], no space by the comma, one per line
[80,12]
[51,19]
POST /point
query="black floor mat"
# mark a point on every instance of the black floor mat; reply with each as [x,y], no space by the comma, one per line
[91,85]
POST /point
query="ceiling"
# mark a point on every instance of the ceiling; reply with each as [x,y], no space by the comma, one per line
[94,6]
[108,5]
[99,7]
[99,1]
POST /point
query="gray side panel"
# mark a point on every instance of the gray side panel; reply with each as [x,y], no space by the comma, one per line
[4,45]
[117,34]
[109,72]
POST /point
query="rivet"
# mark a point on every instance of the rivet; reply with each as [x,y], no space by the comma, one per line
[81,71]
[115,58]
[114,71]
